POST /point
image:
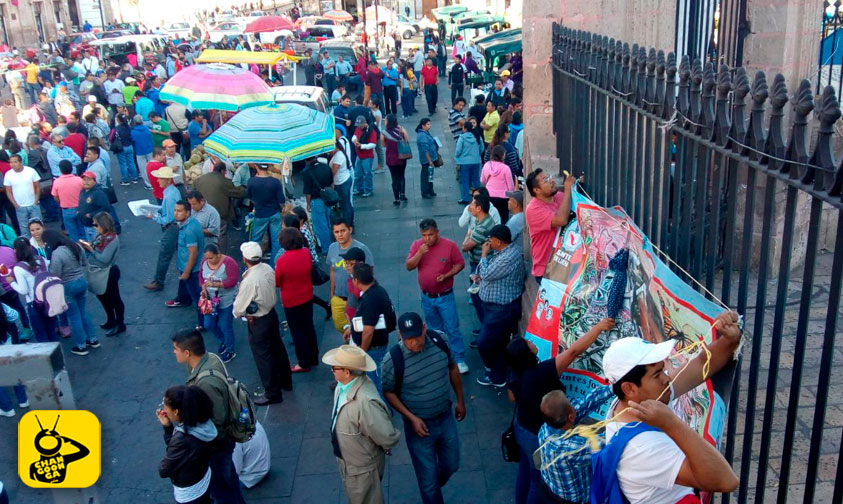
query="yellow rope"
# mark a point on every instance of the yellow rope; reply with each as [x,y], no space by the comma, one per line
[591,432]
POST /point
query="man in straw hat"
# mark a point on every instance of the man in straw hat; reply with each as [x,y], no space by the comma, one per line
[256,301]
[652,455]
[361,428]
[165,217]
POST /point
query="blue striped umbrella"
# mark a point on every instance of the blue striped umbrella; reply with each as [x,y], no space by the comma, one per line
[270,133]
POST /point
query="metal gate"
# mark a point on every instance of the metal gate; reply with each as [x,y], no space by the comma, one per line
[669,141]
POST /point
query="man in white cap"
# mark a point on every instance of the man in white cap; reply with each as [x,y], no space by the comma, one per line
[662,459]
[92,107]
[256,299]
[361,427]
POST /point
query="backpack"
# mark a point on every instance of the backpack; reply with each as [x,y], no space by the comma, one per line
[398,358]
[49,294]
[240,415]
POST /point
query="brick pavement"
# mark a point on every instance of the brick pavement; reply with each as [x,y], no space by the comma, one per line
[122,382]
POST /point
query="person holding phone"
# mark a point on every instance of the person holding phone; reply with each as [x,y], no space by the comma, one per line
[373,320]
[104,276]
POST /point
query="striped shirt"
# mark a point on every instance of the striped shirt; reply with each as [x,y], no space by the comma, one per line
[425,390]
[453,121]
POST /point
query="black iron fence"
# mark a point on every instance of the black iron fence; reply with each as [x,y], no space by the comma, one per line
[725,192]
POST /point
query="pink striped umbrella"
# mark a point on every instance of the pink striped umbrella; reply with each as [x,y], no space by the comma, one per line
[216,86]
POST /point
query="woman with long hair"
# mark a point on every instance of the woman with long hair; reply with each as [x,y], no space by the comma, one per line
[22,281]
[501,138]
[428,154]
[104,278]
[530,381]
[36,239]
[68,262]
[218,276]
[391,135]
[292,277]
[298,220]
[496,176]
[186,415]
[409,89]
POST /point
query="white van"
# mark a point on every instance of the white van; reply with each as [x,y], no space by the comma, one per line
[310,96]
[117,50]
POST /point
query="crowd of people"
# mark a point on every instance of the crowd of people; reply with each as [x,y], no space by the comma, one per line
[86,120]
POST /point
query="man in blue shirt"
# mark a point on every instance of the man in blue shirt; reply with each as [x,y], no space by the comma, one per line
[343,69]
[390,88]
[166,218]
[143,105]
[329,72]
[341,111]
[57,152]
[198,129]
[191,242]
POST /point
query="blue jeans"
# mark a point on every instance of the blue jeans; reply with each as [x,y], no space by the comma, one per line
[320,217]
[499,322]
[376,98]
[75,292]
[528,482]
[128,168]
[43,327]
[225,485]
[32,90]
[408,100]
[377,354]
[194,290]
[24,214]
[475,298]
[51,207]
[469,177]
[6,400]
[259,226]
[426,179]
[166,251]
[89,232]
[436,457]
[221,323]
[70,216]
[363,182]
[346,206]
[440,314]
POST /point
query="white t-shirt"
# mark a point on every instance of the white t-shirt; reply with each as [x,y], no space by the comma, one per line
[112,97]
[21,184]
[342,160]
[252,458]
[648,467]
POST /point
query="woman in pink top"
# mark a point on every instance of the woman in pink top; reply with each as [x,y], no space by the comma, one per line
[496,176]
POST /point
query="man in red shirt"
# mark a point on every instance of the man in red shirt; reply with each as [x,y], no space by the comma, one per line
[365,140]
[374,79]
[430,80]
[438,261]
[158,160]
[548,210]
[75,140]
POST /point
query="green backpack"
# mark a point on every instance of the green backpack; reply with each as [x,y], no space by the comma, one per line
[240,415]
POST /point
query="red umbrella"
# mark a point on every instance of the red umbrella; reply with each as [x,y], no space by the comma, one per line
[270,23]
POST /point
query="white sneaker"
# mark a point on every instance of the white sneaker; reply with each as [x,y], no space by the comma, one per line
[9,413]
[24,404]
[463,367]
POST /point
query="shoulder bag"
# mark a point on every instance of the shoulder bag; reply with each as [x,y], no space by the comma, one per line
[318,276]
[404,150]
[509,445]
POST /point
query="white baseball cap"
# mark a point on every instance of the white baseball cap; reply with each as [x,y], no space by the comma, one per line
[251,250]
[626,353]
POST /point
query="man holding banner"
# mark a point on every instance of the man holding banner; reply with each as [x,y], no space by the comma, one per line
[652,455]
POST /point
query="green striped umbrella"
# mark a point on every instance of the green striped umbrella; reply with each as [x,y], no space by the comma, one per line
[271,133]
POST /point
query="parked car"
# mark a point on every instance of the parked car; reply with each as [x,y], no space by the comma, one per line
[114,34]
[344,48]
[144,47]
[80,42]
[178,30]
[316,35]
[226,28]
[310,96]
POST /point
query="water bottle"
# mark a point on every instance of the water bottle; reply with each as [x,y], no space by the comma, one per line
[244,416]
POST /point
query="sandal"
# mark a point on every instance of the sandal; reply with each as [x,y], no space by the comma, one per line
[299,369]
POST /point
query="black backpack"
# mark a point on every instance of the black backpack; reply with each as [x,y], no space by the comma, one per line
[398,358]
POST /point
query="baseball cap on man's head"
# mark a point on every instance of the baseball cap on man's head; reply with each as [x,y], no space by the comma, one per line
[626,353]
[517,195]
[354,254]
[410,325]
[251,250]
[360,121]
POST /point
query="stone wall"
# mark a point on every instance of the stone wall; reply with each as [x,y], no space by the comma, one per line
[21,26]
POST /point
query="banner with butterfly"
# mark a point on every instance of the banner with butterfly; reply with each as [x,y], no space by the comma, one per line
[582,284]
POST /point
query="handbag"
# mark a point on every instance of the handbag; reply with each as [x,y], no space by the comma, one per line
[330,197]
[208,306]
[318,276]
[404,150]
[438,161]
[112,195]
[509,445]
[97,278]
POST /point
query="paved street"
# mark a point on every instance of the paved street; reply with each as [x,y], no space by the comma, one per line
[122,382]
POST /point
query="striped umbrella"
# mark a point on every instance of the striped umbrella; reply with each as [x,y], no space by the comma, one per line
[338,15]
[216,86]
[271,133]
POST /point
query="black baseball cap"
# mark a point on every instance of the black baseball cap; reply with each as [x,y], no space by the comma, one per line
[354,254]
[502,233]
[410,325]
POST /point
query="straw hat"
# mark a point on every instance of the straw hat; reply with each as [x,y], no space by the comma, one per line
[163,172]
[350,357]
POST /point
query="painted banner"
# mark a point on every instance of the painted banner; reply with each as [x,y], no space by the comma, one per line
[657,306]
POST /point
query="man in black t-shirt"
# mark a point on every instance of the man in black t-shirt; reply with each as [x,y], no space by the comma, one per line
[456,78]
[317,176]
[374,319]
[478,110]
